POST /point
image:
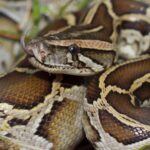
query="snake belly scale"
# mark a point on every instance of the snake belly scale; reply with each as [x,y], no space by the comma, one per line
[103,92]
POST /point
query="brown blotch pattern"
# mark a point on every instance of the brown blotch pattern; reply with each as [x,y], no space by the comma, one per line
[128,6]
[125,75]
[143,92]
[93,90]
[103,18]
[24,90]
[141,26]
[54,26]
[59,127]
[121,132]
[16,121]
[105,58]
[69,81]
[122,103]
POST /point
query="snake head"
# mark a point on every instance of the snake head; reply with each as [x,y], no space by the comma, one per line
[67,53]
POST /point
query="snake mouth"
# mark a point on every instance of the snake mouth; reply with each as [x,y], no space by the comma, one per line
[61,69]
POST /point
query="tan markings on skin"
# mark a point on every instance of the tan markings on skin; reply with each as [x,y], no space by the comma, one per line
[107,72]
[26,70]
[45,108]
[89,63]
[113,37]
[58,93]
[23,84]
[68,103]
[94,120]
[92,44]
[103,104]
[91,132]
[96,29]
[70,93]
[121,132]
[89,107]
[110,142]
[134,17]
[123,118]
[127,120]
[106,91]
[132,111]
[118,20]
[71,19]
[65,119]
[53,32]
[138,82]
[106,139]
[110,9]
[115,128]
[35,114]
[128,73]
[115,88]
[89,17]
[25,114]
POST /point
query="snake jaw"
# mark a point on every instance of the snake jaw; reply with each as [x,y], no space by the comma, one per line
[61,69]
[53,58]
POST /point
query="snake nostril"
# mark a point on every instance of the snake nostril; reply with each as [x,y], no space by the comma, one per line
[29,51]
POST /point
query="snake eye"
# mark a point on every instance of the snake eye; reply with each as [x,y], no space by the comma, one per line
[73,49]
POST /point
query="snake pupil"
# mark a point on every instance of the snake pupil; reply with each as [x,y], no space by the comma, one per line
[73,49]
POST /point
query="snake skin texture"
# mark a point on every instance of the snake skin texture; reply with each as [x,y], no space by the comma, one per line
[99,84]
[113,115]
[32,113]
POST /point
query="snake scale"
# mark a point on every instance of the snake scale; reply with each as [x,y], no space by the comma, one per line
[99,83]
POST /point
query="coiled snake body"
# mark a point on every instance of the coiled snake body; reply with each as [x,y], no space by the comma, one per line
[38,111]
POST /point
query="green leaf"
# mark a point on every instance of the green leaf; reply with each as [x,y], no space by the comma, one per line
[36,11]
[44,9]
[36,14]
[82,4]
